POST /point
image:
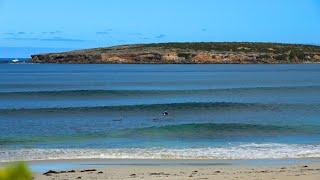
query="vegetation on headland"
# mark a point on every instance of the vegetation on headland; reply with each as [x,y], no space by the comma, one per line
[237,46]
[196,52]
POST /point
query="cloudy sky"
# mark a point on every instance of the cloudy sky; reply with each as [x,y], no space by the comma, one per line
[28,26]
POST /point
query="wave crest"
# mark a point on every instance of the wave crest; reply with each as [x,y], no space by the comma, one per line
[210,130]
[245,151]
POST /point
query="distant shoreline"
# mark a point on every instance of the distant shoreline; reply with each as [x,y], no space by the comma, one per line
[189,53]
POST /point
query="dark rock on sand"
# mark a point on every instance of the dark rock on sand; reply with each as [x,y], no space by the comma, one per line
[159,174]
[50,172]
[88,170]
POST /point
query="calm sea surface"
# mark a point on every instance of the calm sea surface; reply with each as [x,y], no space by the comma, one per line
[159,111]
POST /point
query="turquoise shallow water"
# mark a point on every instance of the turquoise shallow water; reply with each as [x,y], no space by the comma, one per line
[52,111]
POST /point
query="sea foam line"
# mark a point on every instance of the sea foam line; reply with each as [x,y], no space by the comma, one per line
[245,151]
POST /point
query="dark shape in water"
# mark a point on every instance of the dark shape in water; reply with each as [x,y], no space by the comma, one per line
[165,113]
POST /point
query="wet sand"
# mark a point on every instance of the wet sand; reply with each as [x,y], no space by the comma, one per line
[176,171]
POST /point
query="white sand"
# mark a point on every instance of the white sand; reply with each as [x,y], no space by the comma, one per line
[310,171]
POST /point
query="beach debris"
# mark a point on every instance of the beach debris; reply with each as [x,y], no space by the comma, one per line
[88,170]
[48,173]
[194,172]
[217,172]
[100,172]
[79,177]
[305,166]
[133,174]
[159,174]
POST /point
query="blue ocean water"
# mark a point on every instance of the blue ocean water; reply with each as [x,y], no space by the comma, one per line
[50,111]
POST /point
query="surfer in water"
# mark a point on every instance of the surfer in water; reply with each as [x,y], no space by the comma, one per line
[165,113]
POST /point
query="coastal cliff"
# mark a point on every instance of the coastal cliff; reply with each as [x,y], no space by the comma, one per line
[189,53]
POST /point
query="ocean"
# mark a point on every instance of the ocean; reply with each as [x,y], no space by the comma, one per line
[51,111]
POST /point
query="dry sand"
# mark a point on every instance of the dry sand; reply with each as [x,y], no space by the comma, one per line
[177,172]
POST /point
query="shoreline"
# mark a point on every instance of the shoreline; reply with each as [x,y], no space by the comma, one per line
[41,166]
[300,63]
[178,169]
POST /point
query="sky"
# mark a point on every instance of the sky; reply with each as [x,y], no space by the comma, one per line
[34,26]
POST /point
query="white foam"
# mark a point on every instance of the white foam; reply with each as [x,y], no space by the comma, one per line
[245,151]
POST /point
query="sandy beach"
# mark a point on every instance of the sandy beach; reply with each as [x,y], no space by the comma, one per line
[191,172]
[285,171]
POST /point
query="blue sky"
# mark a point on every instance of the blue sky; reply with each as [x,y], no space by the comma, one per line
[39,25]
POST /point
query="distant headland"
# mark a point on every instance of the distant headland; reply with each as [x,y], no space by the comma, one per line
[189,53]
